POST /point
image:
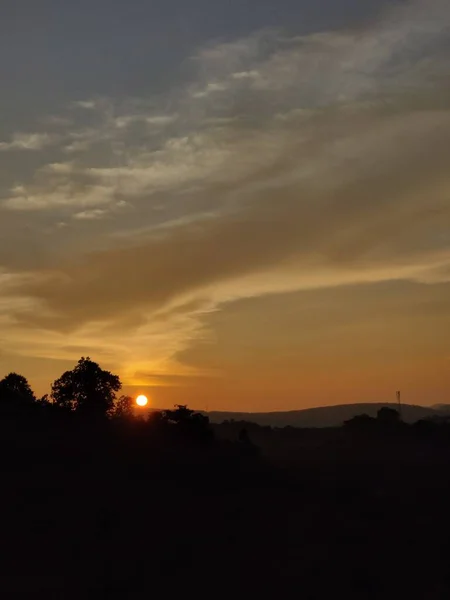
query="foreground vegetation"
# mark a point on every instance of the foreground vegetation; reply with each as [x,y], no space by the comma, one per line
[97,503]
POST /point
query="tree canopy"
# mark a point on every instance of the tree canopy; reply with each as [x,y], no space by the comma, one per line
[15,388]
[87,389]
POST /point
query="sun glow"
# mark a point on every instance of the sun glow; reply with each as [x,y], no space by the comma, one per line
[142,400]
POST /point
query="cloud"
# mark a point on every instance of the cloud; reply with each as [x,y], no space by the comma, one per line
[64,194]
[246,75]
[27,141]
[376,69]
[210,88]
[81,140]
[85,104]
[368,204]
[62,168]
[90,215]
[151,120]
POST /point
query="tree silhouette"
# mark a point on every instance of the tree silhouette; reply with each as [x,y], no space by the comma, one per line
[180,415]
[15,388]
[189,422]
[87,389]
[123,408]
[388,415]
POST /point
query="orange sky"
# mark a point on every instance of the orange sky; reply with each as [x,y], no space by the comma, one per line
[269,231]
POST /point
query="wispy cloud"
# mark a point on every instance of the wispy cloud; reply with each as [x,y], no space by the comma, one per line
[90,215]
[63,195]
[85,104]
[210,88]
[151,120]
[27,141]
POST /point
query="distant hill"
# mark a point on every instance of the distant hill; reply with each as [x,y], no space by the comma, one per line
[442,408]
[325,416]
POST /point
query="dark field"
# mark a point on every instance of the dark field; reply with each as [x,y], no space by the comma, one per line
[126,510]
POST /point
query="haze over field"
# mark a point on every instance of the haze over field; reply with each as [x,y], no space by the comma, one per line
[234,206]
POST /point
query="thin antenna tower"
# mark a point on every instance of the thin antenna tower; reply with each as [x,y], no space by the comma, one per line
[399,403]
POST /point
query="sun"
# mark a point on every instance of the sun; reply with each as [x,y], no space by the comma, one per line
[142,400]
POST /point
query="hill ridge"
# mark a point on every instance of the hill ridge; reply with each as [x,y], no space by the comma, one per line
[324,416]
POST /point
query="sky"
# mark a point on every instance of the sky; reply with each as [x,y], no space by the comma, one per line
[239,205]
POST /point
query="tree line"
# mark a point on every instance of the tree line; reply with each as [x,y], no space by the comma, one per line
[91,393]
[87,390]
